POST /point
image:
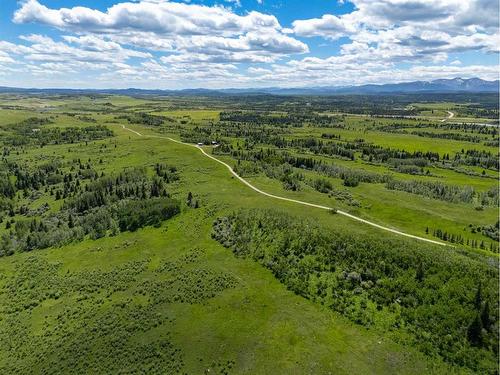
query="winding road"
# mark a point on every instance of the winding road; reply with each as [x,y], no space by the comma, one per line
[450,115]
[289,199]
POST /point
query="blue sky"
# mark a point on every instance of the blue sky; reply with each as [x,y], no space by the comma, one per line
[244,43]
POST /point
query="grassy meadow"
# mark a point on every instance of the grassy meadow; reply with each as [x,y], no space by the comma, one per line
[169,298]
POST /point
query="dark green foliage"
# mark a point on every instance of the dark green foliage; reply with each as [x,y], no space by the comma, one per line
[480,158]
[286,174]
[418,294]
[478,299]
[132,183]
[7,189]
[105,206]
[167,172]
[272,119]
[434,189]
[485,316]
[134,214]
[338,171]
[271,159]
[351,181]
[454,136]
[73,134]
[143,118]
[26,133]
[475,332]
[492,231]
[420,274]
[322,185]
[342,149]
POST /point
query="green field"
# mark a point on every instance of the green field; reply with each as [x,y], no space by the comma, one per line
[162,294]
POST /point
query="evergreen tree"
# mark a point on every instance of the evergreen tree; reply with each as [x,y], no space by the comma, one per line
[478,299]
[475,332]
[420,272]
[485,316]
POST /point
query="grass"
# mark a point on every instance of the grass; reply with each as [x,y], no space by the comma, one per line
[97,305]
[286,334]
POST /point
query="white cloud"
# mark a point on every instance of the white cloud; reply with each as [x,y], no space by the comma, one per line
[328,26]
[44,57]
[161,17]
[5,58]
[236,3]
[410,29]
[93,43]
[160,43]
[43,48]
[190,31]
[335,71]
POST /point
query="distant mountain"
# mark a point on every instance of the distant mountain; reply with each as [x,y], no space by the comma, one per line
[438,85]
[455,85]
[472,85]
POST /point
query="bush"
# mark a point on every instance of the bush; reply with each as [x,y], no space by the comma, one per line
[351,181]
[134,214]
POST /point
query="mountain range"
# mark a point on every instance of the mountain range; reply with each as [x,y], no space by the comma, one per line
[454,85]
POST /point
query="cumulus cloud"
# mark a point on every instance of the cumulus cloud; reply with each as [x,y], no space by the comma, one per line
[162,17]
[5,58]
[189,30]
[410,29]
[173,43]
[328,26]
[93,43]
[43,48]
[42,58]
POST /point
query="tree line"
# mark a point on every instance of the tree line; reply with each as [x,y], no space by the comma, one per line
[104,206]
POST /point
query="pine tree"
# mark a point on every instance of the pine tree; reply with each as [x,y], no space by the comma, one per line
[420,272]
[475,331]
[485,316]
[478,299]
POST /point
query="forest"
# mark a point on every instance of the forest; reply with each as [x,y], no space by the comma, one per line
[94,206]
